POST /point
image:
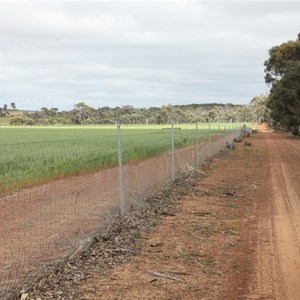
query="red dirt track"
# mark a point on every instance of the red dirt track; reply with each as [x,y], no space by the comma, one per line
[277,271]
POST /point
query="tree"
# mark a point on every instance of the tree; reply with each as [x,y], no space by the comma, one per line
[13,105]
[259,109]
[45,111]
[3,111]
[285,101]
[53,111]
[16,121]
[283,74]
[167,114]
[83,112]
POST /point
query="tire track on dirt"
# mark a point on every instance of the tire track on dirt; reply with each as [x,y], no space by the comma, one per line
[278,249]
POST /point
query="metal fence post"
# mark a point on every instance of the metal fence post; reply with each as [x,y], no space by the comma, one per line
[121,180]
[173,152]
[209,140]
[197,144]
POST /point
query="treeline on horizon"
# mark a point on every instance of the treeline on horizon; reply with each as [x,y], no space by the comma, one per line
[83,114]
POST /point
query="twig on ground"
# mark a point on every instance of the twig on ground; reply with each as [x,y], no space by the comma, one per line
[165,276]
[179,273]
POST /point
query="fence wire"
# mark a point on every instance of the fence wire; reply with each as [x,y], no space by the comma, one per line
[52,199]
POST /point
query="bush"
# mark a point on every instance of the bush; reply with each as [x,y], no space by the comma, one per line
[16,121]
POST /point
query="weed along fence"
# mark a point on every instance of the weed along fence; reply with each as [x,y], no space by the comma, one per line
[59,188]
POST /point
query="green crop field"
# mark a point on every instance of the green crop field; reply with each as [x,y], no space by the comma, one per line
[33,155]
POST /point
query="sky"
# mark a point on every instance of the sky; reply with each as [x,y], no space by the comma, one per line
[139,53]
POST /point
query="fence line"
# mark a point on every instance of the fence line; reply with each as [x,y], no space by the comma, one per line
[49,221]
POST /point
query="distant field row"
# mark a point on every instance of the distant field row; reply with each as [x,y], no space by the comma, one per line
[33,155]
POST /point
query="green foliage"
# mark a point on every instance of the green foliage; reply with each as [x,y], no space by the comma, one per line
[16,121]
[283,74]
[260,110]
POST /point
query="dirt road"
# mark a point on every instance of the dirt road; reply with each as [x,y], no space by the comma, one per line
[277,272]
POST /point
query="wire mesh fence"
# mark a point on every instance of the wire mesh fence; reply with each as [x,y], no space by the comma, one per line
[54,194]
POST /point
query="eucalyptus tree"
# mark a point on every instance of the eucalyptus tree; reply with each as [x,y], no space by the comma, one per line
[282,73]
[259,110]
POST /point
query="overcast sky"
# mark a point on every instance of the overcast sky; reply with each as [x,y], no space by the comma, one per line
[140,53]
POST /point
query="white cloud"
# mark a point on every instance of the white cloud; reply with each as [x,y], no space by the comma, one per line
[141,53]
